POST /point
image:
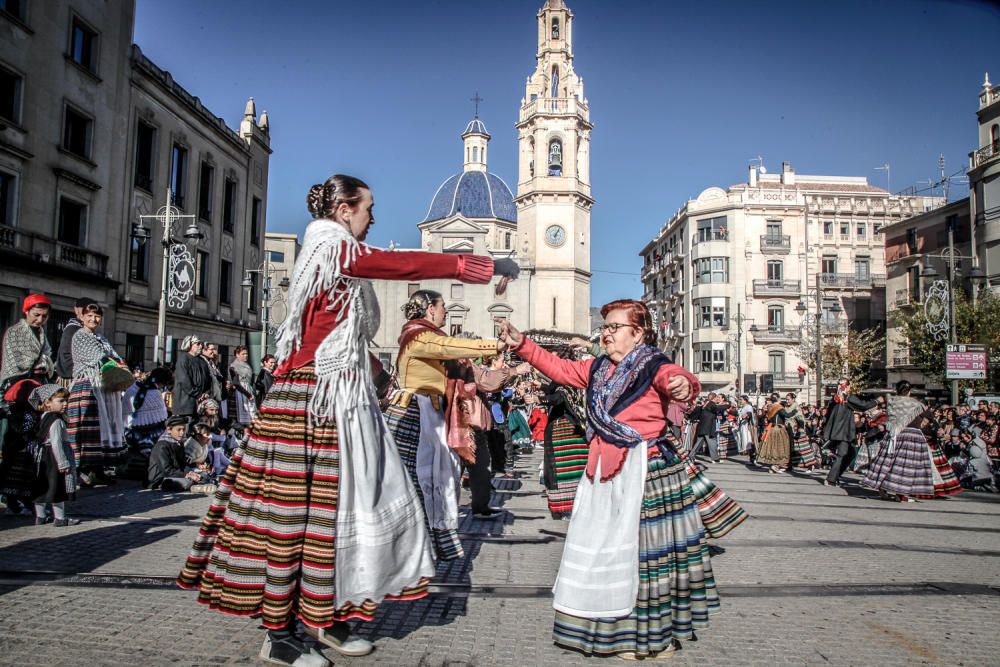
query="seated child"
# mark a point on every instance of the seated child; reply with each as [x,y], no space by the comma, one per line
[168,468]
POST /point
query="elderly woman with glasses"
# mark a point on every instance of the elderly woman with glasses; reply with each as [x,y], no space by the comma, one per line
[635,530]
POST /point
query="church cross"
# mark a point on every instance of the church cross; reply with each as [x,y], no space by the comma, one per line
[477,99]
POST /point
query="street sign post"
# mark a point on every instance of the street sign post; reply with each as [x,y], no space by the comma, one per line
[965,362]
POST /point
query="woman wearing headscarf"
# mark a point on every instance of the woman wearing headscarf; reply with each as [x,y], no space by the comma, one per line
[316,521]
[96,425]
[636,571]
[426,421]
[241,377]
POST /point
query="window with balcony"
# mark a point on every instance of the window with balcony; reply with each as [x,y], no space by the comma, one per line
[776,362]
[135,350]
[775,319]
[995,138]
[178,174]
[8,190]
[712,270]
[255,213]
[861,231]
[773,231]
[201,274]
[11,85]
[72,222]
[829,265]
[77,131]
[83,45]
[775,273]
[845,231]
[876,229]
[911,240]
[913,284]
[145,155]
[828,229]
[139,261]
[712,229]
[712,357]
[862,269]
[229,206]
[225,282]
[206,180]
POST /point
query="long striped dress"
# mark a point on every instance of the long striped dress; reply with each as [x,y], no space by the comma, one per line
[902,467]
[267,545]
[403,418]
[566,451]
[803,454]
[942,474]
[677,590]
[727,437]
[719,512]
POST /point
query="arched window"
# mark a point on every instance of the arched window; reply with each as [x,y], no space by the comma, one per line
[555,28]
[475,153]
[555,81]
[995,138]
[555,158]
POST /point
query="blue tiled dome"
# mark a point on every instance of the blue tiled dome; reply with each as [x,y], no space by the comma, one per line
[474,194]
[475,126]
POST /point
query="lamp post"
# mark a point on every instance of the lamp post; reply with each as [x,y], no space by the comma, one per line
[739,319]
[269,295]
[177,276]
[834,310]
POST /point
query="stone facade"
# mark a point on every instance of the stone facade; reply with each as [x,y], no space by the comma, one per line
[984,183]
[725,276]
[94,140]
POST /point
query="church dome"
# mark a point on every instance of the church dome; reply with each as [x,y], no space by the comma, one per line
[475,126]
[474,194]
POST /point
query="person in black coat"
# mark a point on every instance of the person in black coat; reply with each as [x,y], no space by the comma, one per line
[168,469]
[839,431]
[707,432]
[192,378]
[265,378]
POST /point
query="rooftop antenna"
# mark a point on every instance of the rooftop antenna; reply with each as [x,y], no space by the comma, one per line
[888,180]
[944,180]
[760,161]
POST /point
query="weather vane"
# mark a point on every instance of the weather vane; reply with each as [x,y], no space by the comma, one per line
[476,100]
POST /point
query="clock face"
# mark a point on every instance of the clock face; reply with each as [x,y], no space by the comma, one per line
[555,235]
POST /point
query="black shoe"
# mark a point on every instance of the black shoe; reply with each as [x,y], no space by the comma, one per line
[66,522]
[291,651]
[39,520]
[488,513]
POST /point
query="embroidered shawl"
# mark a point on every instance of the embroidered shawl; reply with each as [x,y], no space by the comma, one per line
[23,347]
[90,351]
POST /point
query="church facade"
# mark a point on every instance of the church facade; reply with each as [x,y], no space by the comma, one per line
[545,227]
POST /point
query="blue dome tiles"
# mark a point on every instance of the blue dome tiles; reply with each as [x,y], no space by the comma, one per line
[473,194]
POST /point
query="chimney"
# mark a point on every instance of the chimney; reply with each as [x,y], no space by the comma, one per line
[753,177]
[787,174]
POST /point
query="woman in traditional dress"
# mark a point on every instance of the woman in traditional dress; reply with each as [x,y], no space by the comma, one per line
[905,468]
[242,395]
[315,519]
[775,448]
[94,416]
[635,527]
[802,456]
[424,429]
[746,427]
[565,450]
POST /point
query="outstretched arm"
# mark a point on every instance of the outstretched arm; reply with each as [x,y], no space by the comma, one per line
[677,384]
[395,265]
[562,371]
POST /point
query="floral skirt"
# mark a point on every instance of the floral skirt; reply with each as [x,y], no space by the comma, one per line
[677,590]
[267,545]
[404,424]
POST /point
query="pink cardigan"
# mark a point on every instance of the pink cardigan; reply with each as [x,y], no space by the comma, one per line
[647,415]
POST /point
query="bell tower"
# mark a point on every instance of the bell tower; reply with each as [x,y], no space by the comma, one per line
[553,185]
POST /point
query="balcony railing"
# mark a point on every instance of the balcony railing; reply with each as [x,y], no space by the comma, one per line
[851,281]
[47,250]
[983,155]
[769,243]
[777,287]
[784,378]
[903,296]
[553,106]
[706,235]
[901,358]
[777,335]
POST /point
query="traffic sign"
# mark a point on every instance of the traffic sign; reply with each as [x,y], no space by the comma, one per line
[965,362]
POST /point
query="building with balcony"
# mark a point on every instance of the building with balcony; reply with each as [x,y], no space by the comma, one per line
[92,137]
[984,183]
[726,273]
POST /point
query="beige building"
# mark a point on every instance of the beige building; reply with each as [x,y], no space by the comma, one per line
[984,183]
[546,227]
[281,251]
[732,276]
[92,136]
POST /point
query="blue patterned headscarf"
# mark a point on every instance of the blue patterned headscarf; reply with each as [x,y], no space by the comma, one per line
[610,393]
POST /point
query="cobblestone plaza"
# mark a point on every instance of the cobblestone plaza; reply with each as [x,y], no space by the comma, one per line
[818,575]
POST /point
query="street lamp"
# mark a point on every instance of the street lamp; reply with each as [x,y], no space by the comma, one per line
[739,319]
[835,310]
[177,275]
[270,295]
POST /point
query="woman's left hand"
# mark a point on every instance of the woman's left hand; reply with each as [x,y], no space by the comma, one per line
[679,388]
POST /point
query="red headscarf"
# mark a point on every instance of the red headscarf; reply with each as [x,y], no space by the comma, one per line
[33,300]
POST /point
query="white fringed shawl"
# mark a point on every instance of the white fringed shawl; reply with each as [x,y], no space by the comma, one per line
[382,545]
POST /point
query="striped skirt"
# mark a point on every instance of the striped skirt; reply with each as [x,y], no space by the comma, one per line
[803,454]
[727,440]
[775,448]
[404,424]
[565,461]
[904,471]
[267,545]
[719,512]
[95,443]
[945,481]
[677,590]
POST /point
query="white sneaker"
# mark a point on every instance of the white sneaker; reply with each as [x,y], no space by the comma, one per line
[291,651]
[340,638]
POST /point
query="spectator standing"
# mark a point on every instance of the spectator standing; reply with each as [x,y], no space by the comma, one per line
[95,423]
[210,355]
[192,378]
[26,350]
[241,378]
[56,481]
[265,378]
[64,357]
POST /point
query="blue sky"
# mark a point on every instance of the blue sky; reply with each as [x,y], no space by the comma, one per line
[682,95]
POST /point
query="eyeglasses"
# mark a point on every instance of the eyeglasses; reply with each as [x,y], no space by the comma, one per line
[612,327]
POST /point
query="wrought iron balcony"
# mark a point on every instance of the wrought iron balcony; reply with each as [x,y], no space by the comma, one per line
[777,335]
[775,245]
[851,281]
[784,378]
[901,357]
[789,288]
[985,154]
[46,250]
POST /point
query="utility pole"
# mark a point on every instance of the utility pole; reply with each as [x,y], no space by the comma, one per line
[739,350]
[953,333]
[944,182]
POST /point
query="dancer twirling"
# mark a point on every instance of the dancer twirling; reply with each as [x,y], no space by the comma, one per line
[635,519]
[316,519]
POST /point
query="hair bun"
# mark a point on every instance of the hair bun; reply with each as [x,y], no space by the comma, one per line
[315,200]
